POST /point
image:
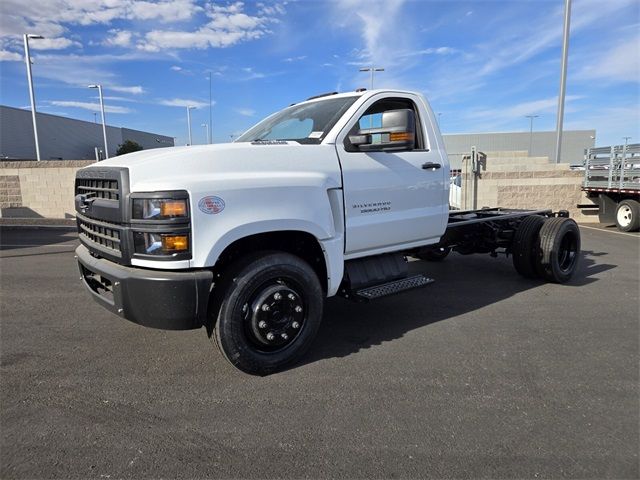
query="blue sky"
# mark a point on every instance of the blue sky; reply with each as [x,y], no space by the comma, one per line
[484,65]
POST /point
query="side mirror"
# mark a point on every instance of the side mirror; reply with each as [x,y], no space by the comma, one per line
[398,132]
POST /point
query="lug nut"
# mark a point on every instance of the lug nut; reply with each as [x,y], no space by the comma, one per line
[291,296]
[295,325]
[262,324]
[265,308]
[298,308]
[270,336]
[277,296]
[285,336]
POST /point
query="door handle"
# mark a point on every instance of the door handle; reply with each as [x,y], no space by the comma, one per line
[431,165]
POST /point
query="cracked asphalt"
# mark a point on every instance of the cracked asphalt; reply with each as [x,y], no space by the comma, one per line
[482,374]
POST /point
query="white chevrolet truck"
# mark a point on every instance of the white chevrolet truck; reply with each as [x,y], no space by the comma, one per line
[326,197]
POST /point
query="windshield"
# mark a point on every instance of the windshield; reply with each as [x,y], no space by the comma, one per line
[305,123]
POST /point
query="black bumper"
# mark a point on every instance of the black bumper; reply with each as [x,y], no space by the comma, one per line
[153,298]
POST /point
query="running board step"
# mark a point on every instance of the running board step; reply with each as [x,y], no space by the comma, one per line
[391,288]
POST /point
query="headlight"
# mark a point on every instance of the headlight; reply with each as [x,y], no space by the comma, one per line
[161,243]
[159,208]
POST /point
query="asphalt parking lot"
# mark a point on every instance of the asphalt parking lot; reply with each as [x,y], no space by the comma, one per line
[482,374]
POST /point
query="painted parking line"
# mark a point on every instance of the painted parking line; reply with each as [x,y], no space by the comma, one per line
[611,231]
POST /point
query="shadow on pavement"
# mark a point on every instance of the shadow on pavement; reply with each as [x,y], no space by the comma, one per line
[462,285]
[18,238]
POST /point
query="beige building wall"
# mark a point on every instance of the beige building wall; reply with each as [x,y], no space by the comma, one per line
[514,180]
[38,189]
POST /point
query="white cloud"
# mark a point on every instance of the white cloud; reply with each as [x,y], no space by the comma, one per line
[176,68]
[431,51]
[136,89]
[94,107]
[377,22]
[227,26]
[245,112]
[7,56]
[524,108]
[295,59]
[182,102]
[620,62]
[59,43]
[118,38]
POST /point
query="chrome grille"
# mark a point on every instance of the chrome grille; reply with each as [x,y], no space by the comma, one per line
[101,235]
[98,188]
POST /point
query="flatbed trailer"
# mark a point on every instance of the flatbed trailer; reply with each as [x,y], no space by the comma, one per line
[612,182]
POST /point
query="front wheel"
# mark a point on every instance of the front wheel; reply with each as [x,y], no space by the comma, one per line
[268,310]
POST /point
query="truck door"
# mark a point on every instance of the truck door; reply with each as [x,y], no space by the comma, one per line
[392,198]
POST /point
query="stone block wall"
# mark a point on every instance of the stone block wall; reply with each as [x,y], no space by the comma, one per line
[30,189]
[513,180]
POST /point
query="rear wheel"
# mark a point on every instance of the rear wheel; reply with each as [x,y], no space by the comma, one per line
[628,216]
[559,250]
[525,246]
[269,308]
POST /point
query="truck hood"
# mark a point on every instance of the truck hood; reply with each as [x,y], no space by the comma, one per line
[178,167]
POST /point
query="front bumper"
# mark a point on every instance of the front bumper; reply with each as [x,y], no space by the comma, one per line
[153,298]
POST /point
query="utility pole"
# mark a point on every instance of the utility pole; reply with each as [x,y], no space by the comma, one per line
[206,130]
[531,117]
[626,141]
[189,108]
[563,77]
[32,96]
[210,127]
[104,125]
[372,69]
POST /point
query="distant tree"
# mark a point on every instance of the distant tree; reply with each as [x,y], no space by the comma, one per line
[127,147]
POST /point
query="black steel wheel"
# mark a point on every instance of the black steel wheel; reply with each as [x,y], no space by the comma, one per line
[525,246]
[559,250]
[268,309]
[433,254]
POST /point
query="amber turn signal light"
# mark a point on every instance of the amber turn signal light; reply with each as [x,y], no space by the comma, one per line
[173,208]
[400,137]
[175,243]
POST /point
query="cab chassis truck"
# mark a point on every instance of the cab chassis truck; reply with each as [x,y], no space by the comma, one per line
[326,197]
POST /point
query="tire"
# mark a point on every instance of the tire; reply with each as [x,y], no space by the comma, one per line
[559,250]
[266,312]
[525,246]
[628,216]
[436,254]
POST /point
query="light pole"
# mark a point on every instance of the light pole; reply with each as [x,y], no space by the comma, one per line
[32,96]
[372,69]
[439,115]
[206,129]
[531,117]
[210,127]
[104,125]
[626,141]
[95,117]
[563,77]
[189,108]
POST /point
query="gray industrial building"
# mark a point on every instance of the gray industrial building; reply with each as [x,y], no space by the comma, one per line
[64,138]
[543,144]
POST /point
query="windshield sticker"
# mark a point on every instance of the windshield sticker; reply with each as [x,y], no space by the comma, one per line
[211,205]
[315,134]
